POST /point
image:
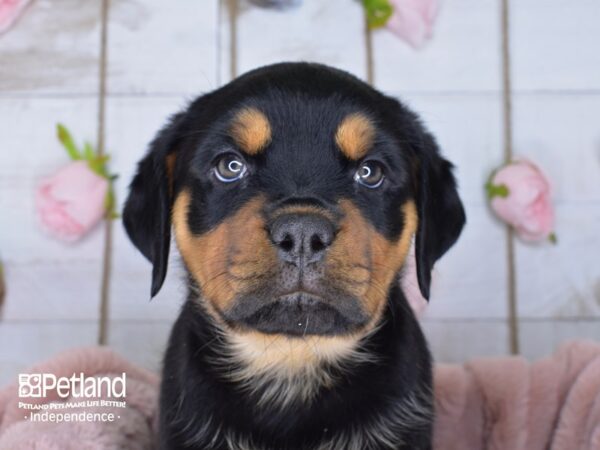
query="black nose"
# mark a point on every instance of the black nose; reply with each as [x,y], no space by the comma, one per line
[302,238]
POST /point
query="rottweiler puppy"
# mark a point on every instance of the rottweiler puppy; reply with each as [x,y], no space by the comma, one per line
[294,194]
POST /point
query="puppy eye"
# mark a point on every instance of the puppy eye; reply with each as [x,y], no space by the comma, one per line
[370,174]
[230,168]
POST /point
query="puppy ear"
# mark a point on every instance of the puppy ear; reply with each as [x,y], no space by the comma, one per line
[147,213]
[441,213]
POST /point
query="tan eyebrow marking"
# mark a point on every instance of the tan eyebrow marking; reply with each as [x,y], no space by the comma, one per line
[251,130]
[355,135]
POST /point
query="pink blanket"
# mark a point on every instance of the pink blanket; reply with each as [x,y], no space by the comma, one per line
[134,430]
[501,403]
[507,403]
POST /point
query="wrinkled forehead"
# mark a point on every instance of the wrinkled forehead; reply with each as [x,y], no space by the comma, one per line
[302,145]
[299,128]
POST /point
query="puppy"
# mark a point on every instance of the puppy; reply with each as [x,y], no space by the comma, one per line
[294,193]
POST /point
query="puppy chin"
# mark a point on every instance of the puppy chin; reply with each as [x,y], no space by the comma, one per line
[298,314]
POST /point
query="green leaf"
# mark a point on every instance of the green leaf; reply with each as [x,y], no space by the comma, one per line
[66,140]
[102,159]
[496,190]
[110,204]
[378,12]
[98,165]
[109,200]
[88,151]
[552,238]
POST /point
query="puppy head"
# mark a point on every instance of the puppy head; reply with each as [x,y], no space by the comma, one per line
[294,193]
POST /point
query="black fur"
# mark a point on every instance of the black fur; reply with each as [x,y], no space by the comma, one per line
[308,101]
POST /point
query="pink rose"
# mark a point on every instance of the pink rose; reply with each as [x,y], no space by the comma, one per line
[10,10]
[520,196]
[72,201]
[412,20]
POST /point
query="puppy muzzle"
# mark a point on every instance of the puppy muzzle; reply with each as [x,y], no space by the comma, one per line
[299,299]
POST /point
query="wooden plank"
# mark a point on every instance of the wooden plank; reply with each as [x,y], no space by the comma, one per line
[330,32]
[463,286]
[226,33]
[468,131]
[561,134]
[52,289]
[541,338]
[46,279]
[158,47]
[142,343]
[186,41]
[457,341]
[563,280]
[555,45]
[470,280]
[462,56]
[31,152]
[131,124]
[34,342]
[53,49]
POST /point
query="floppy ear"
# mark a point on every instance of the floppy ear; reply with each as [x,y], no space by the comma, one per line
[441,213]
[147,213]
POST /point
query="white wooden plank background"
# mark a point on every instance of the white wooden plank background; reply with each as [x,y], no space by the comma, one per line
[542,337]
[132,124]
[555,45]
[456,341]
[463,287]
[160,48]
[145,88]
[52,287]
[463,56]
[459,99]
[54,50]
[556,79]
[328,32]
[23,343]
[162,54]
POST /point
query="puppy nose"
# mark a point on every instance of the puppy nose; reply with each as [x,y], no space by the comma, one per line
[302,238]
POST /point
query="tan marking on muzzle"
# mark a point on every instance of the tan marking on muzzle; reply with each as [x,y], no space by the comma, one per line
[251,130]
[229,259]
[303,209]
[365,261]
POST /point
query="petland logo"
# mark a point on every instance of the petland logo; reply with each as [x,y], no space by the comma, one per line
[84,399]
[37,385]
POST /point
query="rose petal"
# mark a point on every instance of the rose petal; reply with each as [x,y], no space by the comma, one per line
[527,207]
[72,201]
[10,11]
[412,20]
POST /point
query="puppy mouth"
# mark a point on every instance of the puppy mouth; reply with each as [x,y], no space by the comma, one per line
[297,314]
